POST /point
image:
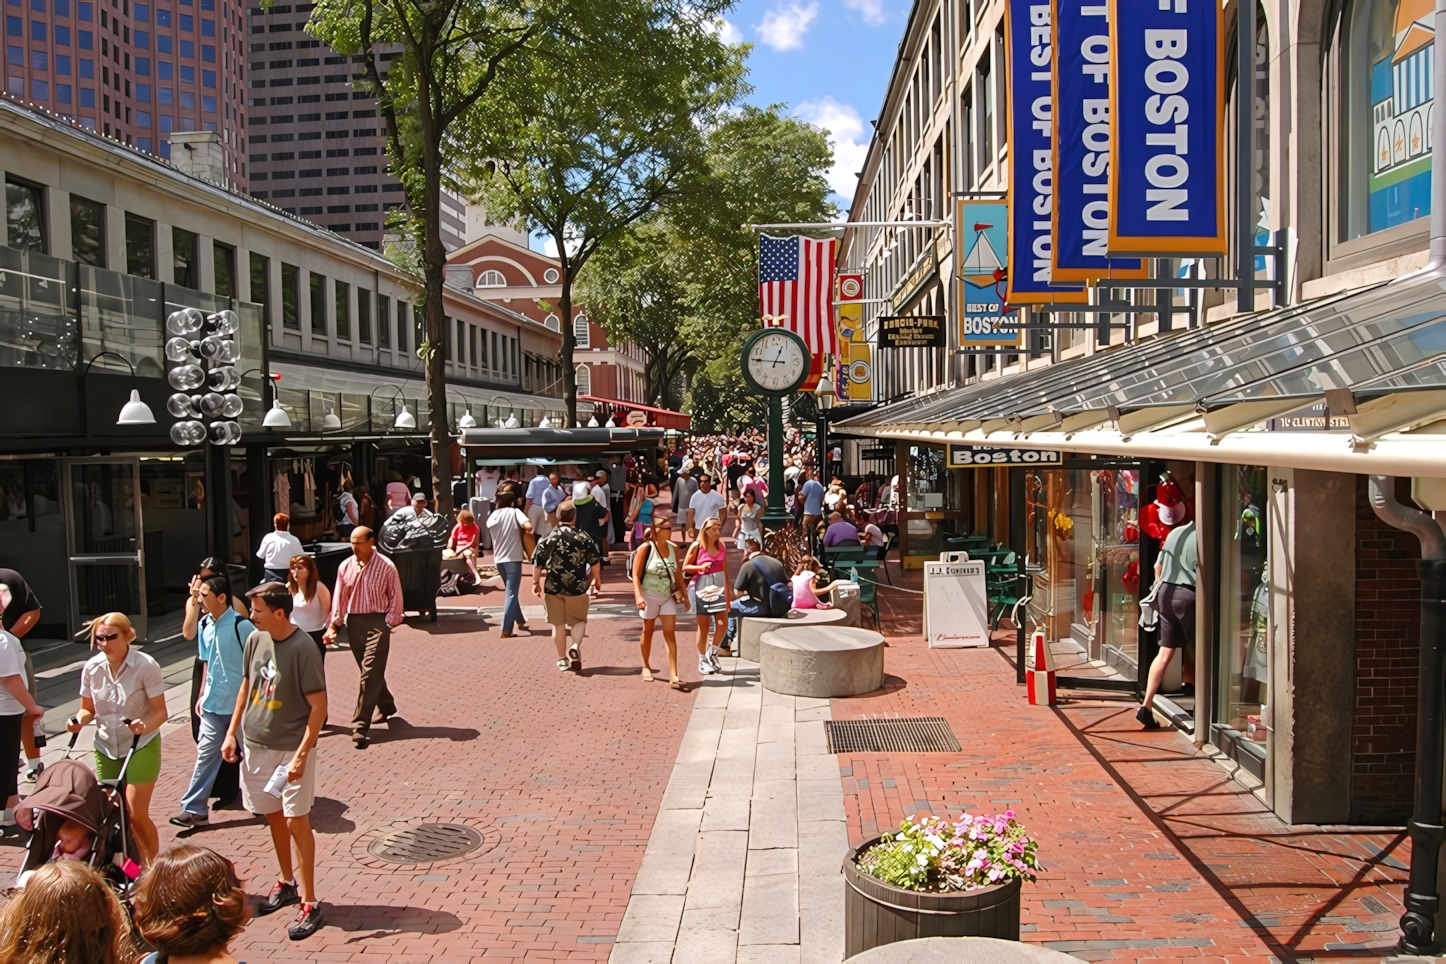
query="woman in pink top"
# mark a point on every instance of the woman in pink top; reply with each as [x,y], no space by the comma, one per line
[710,591]
[462,544]
[806,588]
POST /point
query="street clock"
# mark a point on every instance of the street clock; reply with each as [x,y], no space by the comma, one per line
[775,362]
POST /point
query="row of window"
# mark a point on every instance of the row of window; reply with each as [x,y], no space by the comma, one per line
[331,115]
[471,349]
[309,155]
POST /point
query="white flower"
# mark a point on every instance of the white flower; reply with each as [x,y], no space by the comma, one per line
[922,860]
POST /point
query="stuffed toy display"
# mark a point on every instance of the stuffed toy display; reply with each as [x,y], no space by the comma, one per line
[1167,511]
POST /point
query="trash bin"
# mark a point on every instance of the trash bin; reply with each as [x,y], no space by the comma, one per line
[421,574]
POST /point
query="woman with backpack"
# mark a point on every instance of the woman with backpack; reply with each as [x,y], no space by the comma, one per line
[660,594]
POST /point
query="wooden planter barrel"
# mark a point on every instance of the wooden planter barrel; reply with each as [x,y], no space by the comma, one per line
[877,913]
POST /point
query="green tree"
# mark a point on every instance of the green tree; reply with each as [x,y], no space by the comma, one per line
[452,52]
[597,133]
[682,284]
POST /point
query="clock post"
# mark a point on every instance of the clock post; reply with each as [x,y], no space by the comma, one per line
[775,362]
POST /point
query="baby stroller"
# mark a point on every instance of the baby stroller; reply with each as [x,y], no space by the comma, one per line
[69,790]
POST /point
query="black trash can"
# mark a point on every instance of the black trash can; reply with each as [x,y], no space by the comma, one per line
[421,574]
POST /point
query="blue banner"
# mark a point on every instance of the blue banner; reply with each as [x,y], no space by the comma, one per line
[981,232]
[1082,134]
[1028,43]
[1167,104]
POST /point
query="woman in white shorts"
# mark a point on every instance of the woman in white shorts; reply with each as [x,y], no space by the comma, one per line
[657,587]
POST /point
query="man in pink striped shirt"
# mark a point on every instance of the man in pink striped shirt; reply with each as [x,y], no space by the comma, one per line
[368,599]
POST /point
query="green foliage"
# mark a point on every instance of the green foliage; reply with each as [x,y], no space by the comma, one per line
[720,402]
[682,283]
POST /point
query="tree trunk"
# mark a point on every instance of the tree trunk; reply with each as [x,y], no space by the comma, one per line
[434,266]
[569,336]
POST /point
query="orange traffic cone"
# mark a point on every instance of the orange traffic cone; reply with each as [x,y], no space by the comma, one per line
[1041,680]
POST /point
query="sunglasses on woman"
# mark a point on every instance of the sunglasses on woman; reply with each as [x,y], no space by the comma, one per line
[110,638]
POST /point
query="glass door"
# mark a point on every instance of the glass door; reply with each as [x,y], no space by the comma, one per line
[1242,713]
[107,559]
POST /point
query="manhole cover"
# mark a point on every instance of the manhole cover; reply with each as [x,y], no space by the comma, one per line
[922,734]
[426,843]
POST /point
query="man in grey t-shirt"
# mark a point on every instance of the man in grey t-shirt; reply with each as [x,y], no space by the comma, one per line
[281,707]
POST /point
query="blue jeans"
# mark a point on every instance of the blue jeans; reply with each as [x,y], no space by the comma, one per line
[512,607]
[740,608]
[208,761]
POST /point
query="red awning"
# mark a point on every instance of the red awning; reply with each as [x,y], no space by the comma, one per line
[660,417]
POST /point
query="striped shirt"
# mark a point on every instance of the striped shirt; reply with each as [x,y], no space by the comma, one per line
[375,588]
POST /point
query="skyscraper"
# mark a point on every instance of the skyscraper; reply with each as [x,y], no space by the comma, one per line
[316,145]
[134,71]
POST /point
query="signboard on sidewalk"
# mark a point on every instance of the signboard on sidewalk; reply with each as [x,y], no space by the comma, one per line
[989,456]
[956,605]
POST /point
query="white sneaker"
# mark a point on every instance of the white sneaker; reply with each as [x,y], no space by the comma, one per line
[712,657]
[705,667]
[34,769]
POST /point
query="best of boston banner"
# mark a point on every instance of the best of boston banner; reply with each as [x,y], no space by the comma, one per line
[1028,45]
[1167,112]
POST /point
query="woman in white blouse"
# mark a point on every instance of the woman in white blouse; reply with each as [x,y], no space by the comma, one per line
[310,599]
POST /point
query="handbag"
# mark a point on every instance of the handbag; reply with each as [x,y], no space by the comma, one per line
[1149,614]
[712,600]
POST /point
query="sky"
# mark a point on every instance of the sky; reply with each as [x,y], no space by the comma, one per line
[828,61]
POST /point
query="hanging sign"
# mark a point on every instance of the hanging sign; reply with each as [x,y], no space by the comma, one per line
[1082,134]
[850,287]
[1027,54]
[980,255]
[911,331]
[988,456]
[1167,107]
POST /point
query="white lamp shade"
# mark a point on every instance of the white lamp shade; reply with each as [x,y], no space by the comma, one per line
[545,423]
[276,416]
[135,411]
[467,421]
[610,423]
[405,419]
[592,422]
[330,422]
[512,421]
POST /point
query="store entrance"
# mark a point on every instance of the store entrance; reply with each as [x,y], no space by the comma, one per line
[106,556]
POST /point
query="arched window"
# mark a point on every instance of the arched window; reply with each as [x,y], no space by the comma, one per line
[492,279]
[550,276]
[1387,53]
[580,333]
[553,323]
[584,380]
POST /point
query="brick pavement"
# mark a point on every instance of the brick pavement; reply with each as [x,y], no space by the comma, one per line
[1151,850]
[562,775]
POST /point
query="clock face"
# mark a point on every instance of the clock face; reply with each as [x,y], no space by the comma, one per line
[777,362]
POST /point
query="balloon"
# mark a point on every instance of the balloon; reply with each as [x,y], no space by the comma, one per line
[181,405]
[188,433]
[225,322]
[212,404]
[187,321]
[179,350]
[231,405]
[186,378]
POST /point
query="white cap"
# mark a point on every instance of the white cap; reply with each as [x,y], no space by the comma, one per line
[581,490]
[419,497]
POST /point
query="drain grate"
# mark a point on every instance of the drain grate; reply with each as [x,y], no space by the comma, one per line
[426,843]
[920,734]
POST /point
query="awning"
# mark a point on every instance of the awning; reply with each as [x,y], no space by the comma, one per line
[1372,362]
[661,417]
[561,444]
[299,376]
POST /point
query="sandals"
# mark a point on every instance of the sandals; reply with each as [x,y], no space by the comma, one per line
[563,665]
[679,685]
[647,675]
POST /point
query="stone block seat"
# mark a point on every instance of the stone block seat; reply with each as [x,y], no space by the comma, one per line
[821,661]
[752,628]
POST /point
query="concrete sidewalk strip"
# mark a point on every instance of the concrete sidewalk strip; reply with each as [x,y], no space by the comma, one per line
[773,815]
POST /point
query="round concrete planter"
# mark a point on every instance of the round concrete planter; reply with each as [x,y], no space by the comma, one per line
[876,913]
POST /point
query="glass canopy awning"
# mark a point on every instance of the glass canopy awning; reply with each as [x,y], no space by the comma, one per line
[1376,355]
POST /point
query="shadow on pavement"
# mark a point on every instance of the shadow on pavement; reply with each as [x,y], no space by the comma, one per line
[327,816]
[614,671]
[892,685]
[398,728]
[375,921]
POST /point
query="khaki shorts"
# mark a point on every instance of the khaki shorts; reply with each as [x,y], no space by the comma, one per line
[565,610]
[257,767]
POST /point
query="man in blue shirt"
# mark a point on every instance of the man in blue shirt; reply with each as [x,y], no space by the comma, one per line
[544,495]
[222,637]
[811,492]
[552,497]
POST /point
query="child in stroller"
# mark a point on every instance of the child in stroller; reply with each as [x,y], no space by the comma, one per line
[73,816]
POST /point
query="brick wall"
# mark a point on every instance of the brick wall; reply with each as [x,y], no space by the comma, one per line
[1388,636]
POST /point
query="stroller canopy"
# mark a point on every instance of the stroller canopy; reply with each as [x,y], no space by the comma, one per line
[68,788]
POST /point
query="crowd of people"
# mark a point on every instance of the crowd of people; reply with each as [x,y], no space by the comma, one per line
[259,694]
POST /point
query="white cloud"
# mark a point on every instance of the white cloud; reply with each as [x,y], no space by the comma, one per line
[726,32]
[845,135]
[872,11]
[783,27]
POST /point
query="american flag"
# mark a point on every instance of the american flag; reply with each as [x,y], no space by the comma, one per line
[795,289]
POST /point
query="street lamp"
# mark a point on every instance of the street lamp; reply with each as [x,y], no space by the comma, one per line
[276,416]
[823,396]
[404,419]
[135,411]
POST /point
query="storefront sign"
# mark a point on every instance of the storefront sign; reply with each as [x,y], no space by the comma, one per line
[987,456]
[980,265]
[1312,418]
[911,331]
[1082,134]
[880,453]
[1167,108]
[850,287]
[1027,52]
[956,605]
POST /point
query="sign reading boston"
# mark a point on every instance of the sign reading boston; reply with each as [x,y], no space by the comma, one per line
[1028,45]
[1167,95]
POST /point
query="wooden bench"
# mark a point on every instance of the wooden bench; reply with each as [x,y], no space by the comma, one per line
[752,628]
[821,661]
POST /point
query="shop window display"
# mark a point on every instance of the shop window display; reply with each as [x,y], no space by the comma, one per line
[1245,607]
